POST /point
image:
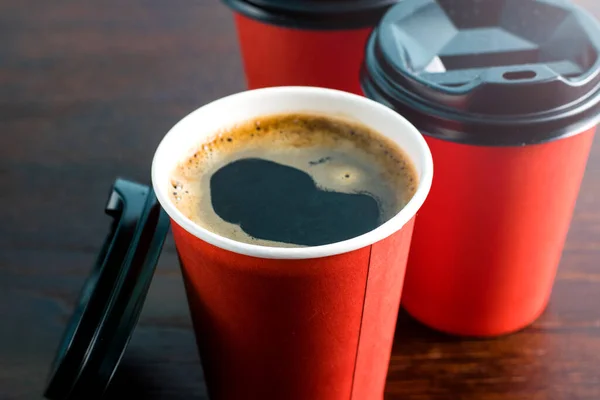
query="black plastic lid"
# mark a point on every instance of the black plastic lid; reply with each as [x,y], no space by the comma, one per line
[488,72]
[314,14]
[112,297]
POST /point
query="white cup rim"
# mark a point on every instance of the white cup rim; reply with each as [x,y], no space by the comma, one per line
[396,223]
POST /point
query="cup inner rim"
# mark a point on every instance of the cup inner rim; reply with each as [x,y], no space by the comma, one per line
[162,167]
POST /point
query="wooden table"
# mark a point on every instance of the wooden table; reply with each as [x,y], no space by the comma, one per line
[87,90]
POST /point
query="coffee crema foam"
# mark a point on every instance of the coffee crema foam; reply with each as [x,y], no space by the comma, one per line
[339,155]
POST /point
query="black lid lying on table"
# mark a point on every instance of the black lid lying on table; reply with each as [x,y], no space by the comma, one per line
[112,297]
[314,14]
[487,72]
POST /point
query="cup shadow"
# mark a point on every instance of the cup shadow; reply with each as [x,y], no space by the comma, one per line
[410,330]
[135,380]
[130,379]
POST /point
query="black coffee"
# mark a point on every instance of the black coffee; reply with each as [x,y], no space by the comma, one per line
[294,180]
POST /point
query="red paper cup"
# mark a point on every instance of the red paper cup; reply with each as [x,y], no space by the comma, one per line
[305,43]
[293,323]
[510,120]
[497,218]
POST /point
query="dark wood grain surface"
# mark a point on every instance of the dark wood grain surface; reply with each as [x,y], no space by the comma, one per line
[87,90]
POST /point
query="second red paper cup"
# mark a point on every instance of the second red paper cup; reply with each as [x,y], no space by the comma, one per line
[509,108]
[305,42]
[293,323]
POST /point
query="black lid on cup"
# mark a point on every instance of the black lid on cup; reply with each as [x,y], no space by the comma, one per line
[487,72]
[314,14]
[112,297]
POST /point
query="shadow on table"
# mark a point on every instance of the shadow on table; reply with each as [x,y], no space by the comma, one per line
[134,380]
[409,329]
[130,379]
